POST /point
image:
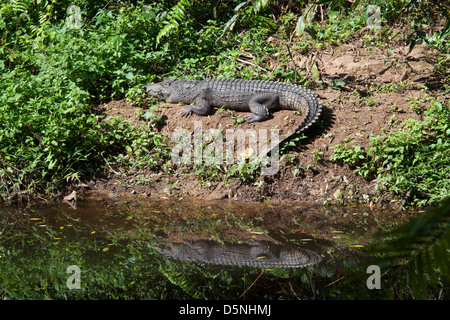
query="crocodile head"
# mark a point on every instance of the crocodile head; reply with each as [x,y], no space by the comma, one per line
[173,90]
[161,90]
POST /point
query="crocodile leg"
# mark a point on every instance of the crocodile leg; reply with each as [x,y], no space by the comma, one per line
[259,105]
[201,106]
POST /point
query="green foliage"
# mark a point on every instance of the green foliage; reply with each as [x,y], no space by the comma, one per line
[419,15]
[246,171]
[411,162]
[244,10]
[34,266]
[49,133]
[337,29]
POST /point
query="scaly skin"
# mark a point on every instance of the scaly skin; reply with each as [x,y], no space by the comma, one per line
[242,95]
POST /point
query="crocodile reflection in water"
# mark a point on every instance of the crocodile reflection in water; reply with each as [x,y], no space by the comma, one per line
[253,254]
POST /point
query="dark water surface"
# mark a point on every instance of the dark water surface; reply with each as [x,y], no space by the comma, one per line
[105,247]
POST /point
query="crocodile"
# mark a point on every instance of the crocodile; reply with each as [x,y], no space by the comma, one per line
[256,96]
[252,254]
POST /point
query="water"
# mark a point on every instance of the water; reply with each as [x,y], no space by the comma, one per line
[174,248]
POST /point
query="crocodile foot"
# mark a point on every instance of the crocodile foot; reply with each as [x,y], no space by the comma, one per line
[186,112]
[251,117]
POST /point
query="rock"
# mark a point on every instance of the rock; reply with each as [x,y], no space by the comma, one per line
[218,193]
[337,193]
[113,196]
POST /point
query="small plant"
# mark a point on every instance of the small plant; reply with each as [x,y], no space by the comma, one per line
[415,105]
[317,155]
[350,153]
[245,171]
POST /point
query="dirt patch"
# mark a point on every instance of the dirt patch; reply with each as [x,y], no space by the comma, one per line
[368,90]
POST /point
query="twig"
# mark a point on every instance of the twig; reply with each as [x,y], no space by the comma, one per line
[293,62]
[247,62]
[252,284]
[334,282]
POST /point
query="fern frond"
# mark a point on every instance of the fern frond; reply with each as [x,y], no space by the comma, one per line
[19,6]
[16,8]
[179,279]
[168,28]
[175,15]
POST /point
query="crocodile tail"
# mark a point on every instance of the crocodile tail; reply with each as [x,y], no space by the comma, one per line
[294,97]
[308,103]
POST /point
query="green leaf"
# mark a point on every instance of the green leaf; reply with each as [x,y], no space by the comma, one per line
[315,72]
[300,27]
[129,75]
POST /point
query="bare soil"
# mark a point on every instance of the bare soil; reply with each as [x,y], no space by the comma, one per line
[351,111]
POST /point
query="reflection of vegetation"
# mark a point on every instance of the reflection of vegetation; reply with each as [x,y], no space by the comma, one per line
[418,254]
[34,260]
[52,74]
[414,262]
[415,257]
